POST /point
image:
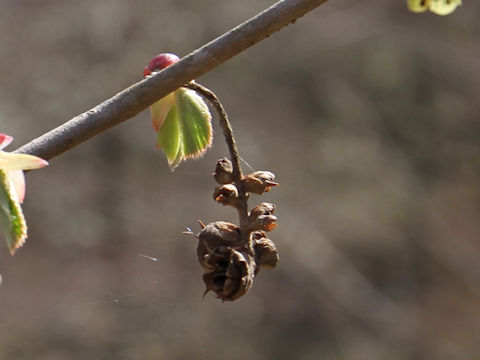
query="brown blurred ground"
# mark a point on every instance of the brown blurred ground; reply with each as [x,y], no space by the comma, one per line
[368,115]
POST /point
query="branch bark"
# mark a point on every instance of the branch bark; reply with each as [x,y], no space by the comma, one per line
[141,95]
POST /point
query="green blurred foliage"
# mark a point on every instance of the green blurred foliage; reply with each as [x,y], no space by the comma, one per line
[367,113]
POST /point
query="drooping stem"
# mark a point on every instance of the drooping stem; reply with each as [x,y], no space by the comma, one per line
[232,148]
[224,124]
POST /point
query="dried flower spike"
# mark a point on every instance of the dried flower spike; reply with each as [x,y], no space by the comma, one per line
[232,255]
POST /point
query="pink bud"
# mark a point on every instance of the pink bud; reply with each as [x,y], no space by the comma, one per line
[159,62]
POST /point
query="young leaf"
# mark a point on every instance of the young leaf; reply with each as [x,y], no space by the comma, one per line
[439,7]
[185,129]
[168,135]
[12,192]
[12,221]
[444,7]
[181,119]
[195,122]
[417,5]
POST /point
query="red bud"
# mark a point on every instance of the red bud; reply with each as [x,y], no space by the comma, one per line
[159,62]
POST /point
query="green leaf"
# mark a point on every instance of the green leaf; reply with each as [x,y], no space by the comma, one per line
[417,5]
[439,7]
[444,7]
[195,122]
[12,221]
[169,137]
[185,130]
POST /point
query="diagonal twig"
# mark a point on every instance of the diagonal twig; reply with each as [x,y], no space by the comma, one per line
[141,95]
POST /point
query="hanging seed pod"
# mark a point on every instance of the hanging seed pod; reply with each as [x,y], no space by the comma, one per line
[223,172]
[263,222]
[266,254]
[230,269]
[262,209]
[235,280]
[261,217]
[218,258]
[214,236]
[259,182]
[232,255]
[226,195]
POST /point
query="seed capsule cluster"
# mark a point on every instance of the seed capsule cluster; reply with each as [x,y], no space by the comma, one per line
[231,255]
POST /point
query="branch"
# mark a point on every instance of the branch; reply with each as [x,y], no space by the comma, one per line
[141,95]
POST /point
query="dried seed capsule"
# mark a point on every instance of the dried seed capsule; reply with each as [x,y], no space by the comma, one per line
[230,269]
[212,237]
[217,259]
[223,172]
[266,253]
[259,182]
[226,195]
[263,222]
[234,281]
[262,209]
[258,235]
[214,281]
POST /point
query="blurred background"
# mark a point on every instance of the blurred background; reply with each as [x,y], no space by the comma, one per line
[368,115]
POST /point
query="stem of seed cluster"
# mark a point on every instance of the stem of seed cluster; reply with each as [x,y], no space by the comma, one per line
[232,148]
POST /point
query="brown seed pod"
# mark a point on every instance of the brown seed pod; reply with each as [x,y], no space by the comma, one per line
[266,254]
[214,236]
[230,269]
[261,217]
[217,259]
[223,172]
[259,182]
[233,281]
[263,222]
[226,195]
[262,209]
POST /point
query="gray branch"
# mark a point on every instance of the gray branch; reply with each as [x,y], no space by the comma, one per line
[141,95]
